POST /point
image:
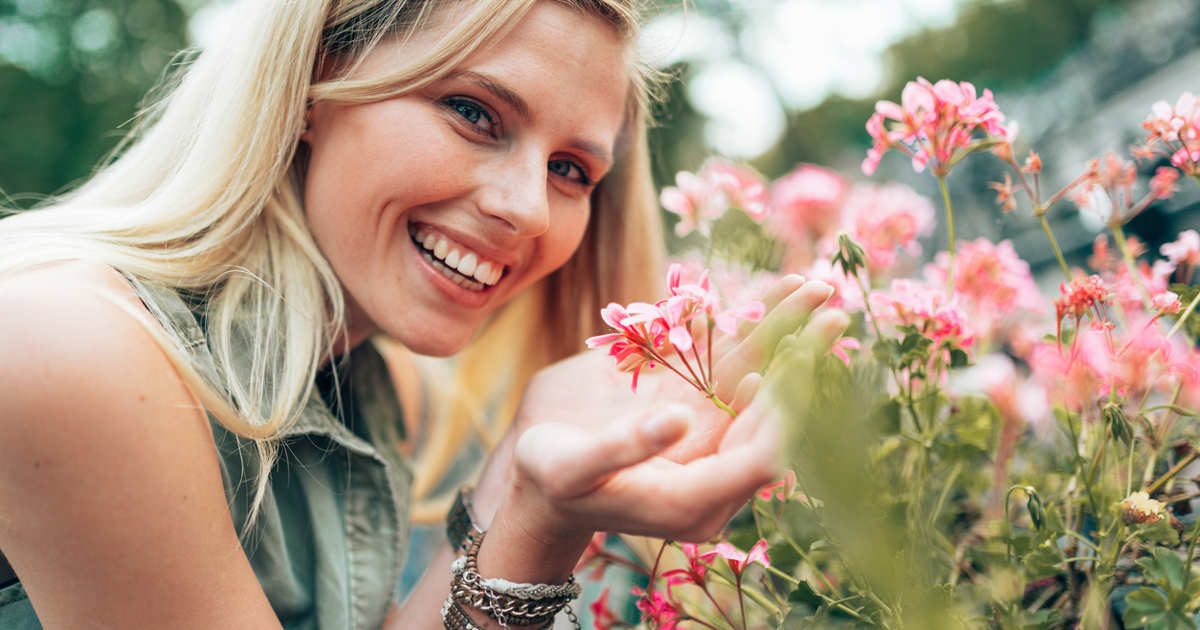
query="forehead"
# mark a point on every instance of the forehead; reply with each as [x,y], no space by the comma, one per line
[571,67]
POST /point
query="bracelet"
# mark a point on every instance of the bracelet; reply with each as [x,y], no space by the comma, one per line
[461,521]
[507,602]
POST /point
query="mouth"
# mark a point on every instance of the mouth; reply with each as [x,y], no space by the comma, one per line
[456,262]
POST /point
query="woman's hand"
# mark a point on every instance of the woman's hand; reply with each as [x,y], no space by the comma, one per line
[665,461]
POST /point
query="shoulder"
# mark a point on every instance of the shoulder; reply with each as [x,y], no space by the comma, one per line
[110,486]
[75,339]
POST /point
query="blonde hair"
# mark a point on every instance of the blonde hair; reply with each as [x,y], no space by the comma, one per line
[204,196]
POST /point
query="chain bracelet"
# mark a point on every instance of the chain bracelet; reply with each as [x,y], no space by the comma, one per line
[526,605]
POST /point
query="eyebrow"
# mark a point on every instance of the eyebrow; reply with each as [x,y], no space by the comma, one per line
[514,100]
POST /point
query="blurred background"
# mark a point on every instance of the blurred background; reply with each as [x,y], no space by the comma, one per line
[772,83]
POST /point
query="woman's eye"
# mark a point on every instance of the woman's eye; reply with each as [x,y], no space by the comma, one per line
[473,113]
[569,170]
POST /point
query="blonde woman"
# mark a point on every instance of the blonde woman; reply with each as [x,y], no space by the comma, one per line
[193,429]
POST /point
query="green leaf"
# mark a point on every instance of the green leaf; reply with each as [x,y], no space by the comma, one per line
[1146,607]
[958,358]
[804,594]
[1164,567]
[889,417]
[1043,561]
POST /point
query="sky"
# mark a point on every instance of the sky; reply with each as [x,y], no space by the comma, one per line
[790,54]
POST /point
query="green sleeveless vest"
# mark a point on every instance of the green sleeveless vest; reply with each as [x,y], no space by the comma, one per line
[330,540]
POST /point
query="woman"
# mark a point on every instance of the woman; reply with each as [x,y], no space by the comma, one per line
[330,171]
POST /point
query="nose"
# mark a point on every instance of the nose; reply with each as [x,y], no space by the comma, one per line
[515,194]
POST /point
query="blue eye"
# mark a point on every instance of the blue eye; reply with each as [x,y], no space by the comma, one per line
[570,170]
[474,113]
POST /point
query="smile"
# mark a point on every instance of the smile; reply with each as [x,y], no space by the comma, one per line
[459,264]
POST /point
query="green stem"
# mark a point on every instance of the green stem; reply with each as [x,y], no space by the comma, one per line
[1170,474]
[1062,261]
[949,233]
[721,405]
[1183,316]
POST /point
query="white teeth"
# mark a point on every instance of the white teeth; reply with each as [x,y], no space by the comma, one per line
[466,266]
[483,273]
[444,251]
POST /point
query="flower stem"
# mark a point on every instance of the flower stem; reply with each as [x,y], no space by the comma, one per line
[941,179]
[1183,316]
[1062,261]
[716,400]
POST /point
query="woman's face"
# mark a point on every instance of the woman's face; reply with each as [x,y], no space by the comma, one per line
[437,207]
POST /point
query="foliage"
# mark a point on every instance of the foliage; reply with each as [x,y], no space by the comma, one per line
[998,458]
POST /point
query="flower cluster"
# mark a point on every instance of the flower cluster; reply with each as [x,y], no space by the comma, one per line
[649,334]
[698,198]
[933,123]
[909,303]
[1175,132]
[991,282]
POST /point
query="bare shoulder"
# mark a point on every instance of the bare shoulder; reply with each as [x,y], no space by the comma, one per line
[112,505]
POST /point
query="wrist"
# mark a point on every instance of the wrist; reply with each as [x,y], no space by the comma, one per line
[529,542]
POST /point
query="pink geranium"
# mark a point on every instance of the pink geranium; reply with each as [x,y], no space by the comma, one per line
[934,123]
[700,198]
[884,219]
[911,303]
[1175,132]
[990,279]
[1074,375]
[806,203]
[738,560]
[657,608]
[695,571]
[1184,254]
[602,617]
[647,333]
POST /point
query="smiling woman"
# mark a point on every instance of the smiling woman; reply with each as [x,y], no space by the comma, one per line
[194,428]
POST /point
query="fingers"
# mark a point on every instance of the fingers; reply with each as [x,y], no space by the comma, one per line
[566,461]
[753,353]
[776,294]
[745,391]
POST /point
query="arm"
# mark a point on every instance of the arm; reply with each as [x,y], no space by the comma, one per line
[113,513]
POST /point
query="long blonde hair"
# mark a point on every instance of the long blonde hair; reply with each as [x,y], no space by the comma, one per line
[204,195]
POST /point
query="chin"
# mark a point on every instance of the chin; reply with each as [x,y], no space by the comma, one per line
[432,345]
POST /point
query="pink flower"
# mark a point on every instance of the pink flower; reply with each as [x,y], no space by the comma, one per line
[805,203]
[783,489]
[842,345]
[933,123]
[695,200]
[1081,296]
[694,572]
[1164,183]
[634,345]
[1075,375]
[1167,303]
[883,219]
[991,281]
[846,294]
[602,617]
[1184,253]
[657,608]
[911,303]
[742,185]
[702,197]
[1175,132]
[738,560]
